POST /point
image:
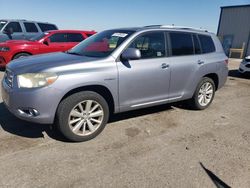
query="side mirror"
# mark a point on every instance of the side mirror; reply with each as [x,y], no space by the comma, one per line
[46,42]
[8,31]
[131,54]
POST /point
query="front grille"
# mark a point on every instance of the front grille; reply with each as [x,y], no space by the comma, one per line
[8,77]
[248,65]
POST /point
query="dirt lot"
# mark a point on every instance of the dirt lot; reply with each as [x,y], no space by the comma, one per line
[157,147]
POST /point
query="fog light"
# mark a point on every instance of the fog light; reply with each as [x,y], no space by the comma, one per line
[29,112]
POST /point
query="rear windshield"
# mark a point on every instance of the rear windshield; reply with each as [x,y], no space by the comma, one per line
[2,24]
[47,27]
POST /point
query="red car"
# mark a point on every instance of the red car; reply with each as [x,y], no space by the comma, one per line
[50,41]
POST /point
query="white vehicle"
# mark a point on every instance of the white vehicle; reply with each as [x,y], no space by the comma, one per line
[245,65]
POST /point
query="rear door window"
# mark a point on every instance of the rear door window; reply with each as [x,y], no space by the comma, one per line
[151,45]
[15,26]
[46,27]
[58,37]
[181,43]
[197,48]
[30,27]
[207,44]
[75,37]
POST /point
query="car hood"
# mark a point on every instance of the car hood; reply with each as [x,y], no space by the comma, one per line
[46,62]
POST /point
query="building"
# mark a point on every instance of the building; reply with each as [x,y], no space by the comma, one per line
[234,28]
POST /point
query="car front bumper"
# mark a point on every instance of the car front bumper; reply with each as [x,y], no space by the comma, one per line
[35,105]
[243,68]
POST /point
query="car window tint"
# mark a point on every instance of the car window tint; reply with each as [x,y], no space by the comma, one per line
[181,44]
[47,27]
[30,27]
[58,37]
[207,44]
[197,48]
[75,37]
[151,45]
[15,27]
[88,34]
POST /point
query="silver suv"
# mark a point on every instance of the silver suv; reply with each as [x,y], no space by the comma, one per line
[115,71]
[22,29]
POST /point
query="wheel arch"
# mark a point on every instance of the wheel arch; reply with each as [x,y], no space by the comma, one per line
[214,77]
[100,89]
[20,52]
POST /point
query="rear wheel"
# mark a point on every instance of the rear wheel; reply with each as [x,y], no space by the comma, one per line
[82,116]
[20,55]
[203,95]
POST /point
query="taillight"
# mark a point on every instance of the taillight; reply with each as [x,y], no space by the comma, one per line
[226,61]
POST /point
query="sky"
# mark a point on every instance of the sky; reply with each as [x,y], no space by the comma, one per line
[107,14]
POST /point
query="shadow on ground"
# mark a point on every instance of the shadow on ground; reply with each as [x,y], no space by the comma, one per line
[235,73]
[15,126]
[215,179]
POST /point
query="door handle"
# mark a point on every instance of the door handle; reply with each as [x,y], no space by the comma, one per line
[164,66]
[200,62]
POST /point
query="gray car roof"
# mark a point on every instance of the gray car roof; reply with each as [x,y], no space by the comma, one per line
[166,27]
[17,20]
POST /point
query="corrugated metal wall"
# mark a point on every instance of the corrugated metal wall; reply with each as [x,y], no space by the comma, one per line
[236,21]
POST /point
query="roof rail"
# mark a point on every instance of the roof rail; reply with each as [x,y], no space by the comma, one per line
[152,26]
[183,27]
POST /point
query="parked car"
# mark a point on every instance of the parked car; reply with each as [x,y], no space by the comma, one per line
[22,29]
[245,65]
[115,71]
[50,41]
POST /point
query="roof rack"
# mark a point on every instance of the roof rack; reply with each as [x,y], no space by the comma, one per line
[153,26]
[176,27]
[183,27]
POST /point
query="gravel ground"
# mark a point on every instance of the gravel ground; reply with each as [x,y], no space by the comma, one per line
[157,147]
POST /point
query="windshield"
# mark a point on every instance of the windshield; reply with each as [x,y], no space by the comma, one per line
[101,44]
[2,24]
[38,37]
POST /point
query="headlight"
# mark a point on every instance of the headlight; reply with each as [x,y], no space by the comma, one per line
[4,49]
[34,80]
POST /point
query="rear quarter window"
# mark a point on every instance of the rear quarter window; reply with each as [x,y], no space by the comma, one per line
[207,44]
[46,27]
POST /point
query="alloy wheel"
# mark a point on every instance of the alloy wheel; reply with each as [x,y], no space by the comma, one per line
[86,117]
[205,94]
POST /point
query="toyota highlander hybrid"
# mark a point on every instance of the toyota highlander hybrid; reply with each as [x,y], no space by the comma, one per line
[115,71]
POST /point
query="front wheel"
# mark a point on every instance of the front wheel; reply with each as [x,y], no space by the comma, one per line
[21,55]
[203,95]
[82,116]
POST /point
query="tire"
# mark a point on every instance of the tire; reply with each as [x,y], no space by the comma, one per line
[194,102]
[20,55]
[85,126]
